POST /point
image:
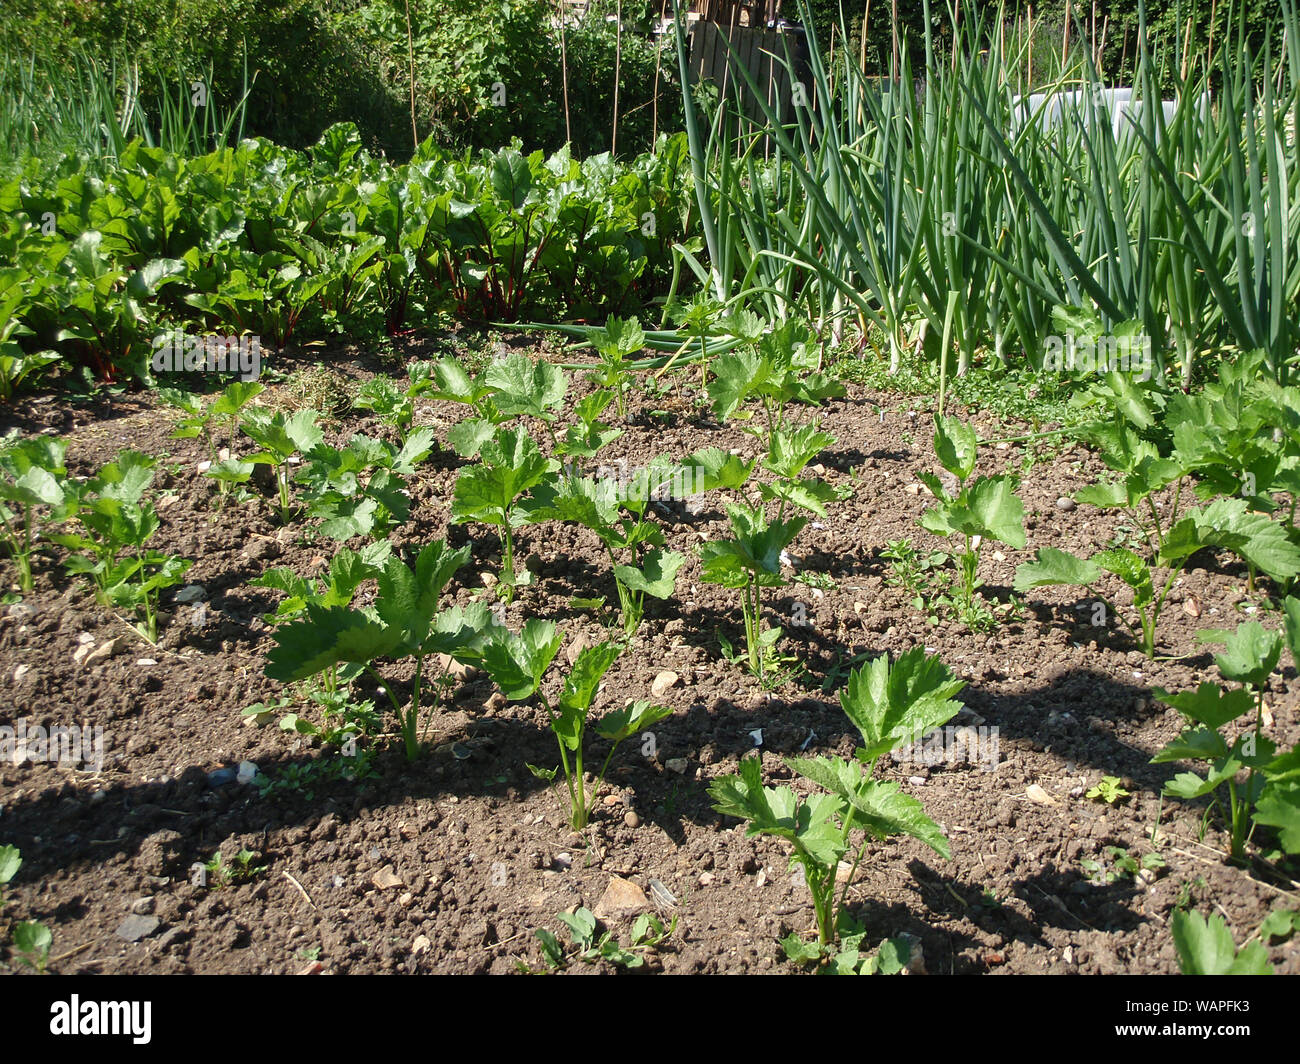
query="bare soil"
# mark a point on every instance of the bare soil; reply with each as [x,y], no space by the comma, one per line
[475,853]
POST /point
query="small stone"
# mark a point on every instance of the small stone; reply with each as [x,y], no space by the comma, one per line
[94,655]
[622,897]
[191,593]
[1066,505]
[248,771]
[705,879]
[387,878]
[664,682]
[20,672]
[612,799]
[562,860]
[489,580]
[222,777]
[631,819]
[913,489]
[136,927]
[405,899]
[1191,606]
[676,764]
[449,666]
[146,661]
[420,945]
[21,611]
[142,906]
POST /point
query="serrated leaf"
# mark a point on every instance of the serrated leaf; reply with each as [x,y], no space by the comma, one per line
[1250,653]
[657,575]
[1209,704]
[326,637]
[955,445]
[1051,566]
[891,705]
[1206,947]
[1279,807]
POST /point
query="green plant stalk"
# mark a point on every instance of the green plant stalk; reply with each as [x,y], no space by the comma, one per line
[21,551]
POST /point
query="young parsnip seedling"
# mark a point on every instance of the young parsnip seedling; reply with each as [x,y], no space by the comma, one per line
[32,478]
[596,504]
[648,934]
[395,406]
[1224,523]
[111,548]
[1251,653]
[404,622]
[615,344]
[590,434]
[890,706]
[985,509]
[360,489]
[281,437]
[206,421]
[510,465]
[517,664]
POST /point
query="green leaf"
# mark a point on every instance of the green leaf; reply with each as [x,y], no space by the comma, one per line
[894,705]
[1279,924]
[551,949]
[516,663]
[1209,704]
[1279,807]
[327,637]
[524,387]
[580,688]
[882,809]
[10,862]
[1051,566]
[657,575]
[713,468]
[621,724]
[32,938]
[736,376]
[998,511]
[955,445]
[1250,655]
[1206,948]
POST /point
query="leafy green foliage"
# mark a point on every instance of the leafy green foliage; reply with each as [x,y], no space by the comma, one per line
[1205,947]
[488,493]
[1271,789]
[404,622]
[888,705]
[32,484]
[111,548]
[282,436]
[985,509]
[648,934]
[517,664]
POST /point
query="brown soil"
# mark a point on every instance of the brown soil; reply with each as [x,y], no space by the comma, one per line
[479,850]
